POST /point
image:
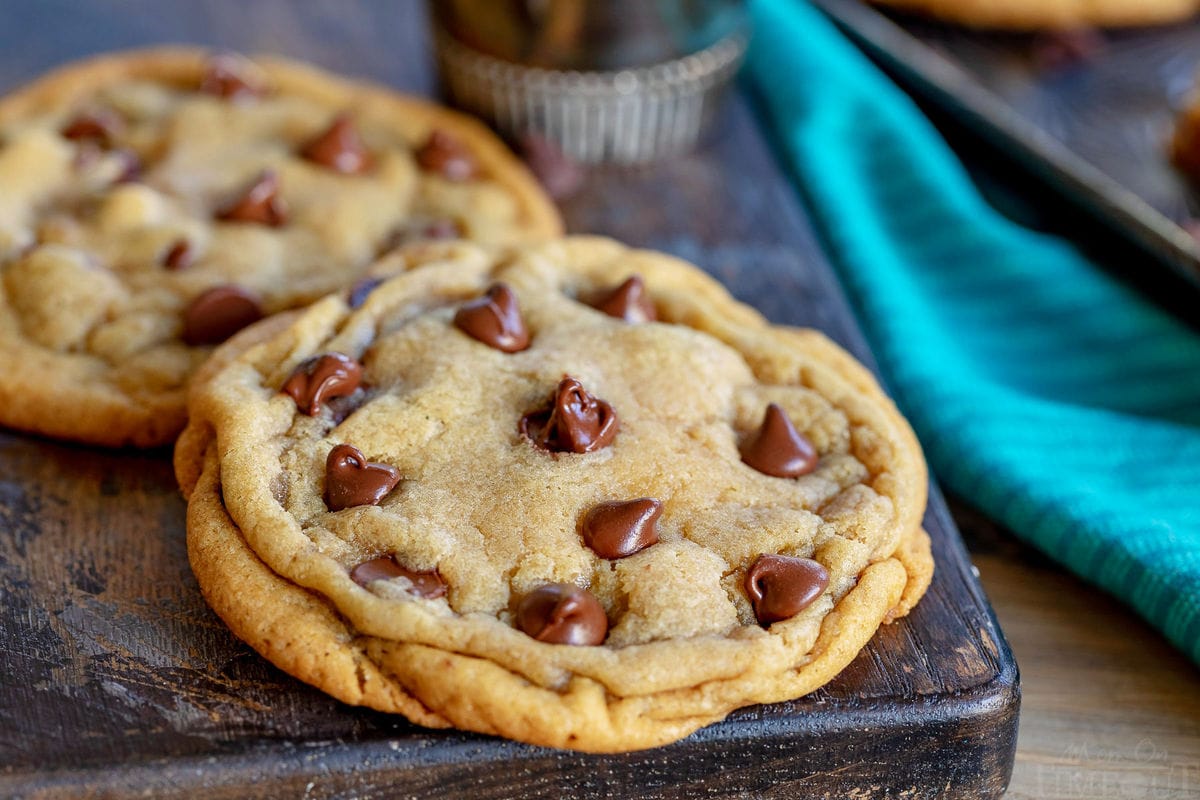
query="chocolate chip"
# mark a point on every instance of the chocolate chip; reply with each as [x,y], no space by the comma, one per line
[494,319]
[628,302]
[351,480]
[562,613]
[424,584]
[339,148]
[440,229]
[98,126]
[573,422]
[778,449]
[558,174]
[228,75]
[621,528]
[361,290]
[446,155]
[780,587]
[220,313]
[322,378]
[260,203]
[179,255]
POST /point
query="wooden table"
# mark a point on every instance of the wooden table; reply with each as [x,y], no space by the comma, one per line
[1110,710]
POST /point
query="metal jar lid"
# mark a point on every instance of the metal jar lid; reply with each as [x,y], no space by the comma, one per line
[628,115]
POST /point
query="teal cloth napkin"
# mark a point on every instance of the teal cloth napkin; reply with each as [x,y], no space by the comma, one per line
[1055,398]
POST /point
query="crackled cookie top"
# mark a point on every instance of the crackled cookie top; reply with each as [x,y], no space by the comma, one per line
[155,203]
[491,458]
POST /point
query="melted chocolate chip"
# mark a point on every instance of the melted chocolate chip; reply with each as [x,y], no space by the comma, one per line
[259,203]
[361,290]
[220,313]
[778,449]
[558,174]
[226,76]
[339,148]
[494,319]
[629,302]
[323,378]
[446,155]
[562,613]
[780,587]
[423,584]
[94,126]
[574,421]
[621,528]
[351,480]
[441,229]
[179,255]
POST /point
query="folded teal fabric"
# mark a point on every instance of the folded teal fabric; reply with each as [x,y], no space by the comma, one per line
[1052,396]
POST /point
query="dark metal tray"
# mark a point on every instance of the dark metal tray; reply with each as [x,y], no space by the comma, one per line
[1096,127]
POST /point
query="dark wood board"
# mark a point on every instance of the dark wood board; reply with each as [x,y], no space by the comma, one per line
[117,681]
[1095,128]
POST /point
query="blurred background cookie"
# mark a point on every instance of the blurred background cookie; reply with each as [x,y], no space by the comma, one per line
[1032,14]
[155,202]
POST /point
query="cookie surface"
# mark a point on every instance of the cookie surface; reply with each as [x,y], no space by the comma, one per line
[154,202]
[1034,14]
[605,584]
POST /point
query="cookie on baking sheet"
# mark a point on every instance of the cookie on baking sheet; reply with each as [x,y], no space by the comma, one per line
[571,494]
[1035,14]
[153,202]
[1185,145]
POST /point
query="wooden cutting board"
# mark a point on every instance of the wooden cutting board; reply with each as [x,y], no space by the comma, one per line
[117,681]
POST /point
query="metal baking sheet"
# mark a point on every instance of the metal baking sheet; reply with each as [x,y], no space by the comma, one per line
[1090,112]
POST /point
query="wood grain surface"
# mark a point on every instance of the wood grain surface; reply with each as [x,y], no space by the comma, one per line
[1109,710]
[118,681]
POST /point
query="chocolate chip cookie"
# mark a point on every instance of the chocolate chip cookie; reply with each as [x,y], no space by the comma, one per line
[153,203]
[1034,14]
[572,494]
